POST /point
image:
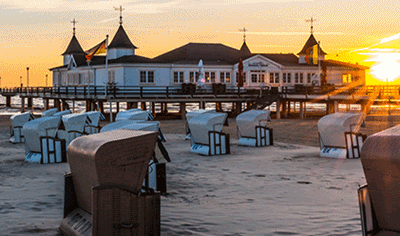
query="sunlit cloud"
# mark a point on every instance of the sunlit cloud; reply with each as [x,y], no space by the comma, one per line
[282,33]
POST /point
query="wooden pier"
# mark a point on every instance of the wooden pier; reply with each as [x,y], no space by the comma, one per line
[241,99]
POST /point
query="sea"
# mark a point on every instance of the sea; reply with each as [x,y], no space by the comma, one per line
[79,107]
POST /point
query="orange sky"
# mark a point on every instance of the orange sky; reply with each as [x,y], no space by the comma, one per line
[35,33]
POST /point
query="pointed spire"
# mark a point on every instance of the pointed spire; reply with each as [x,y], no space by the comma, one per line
[74,47]
[311,42]
[121,40]
[120,9]
[244,50]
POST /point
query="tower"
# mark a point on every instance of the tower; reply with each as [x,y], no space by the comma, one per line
[121,45]
[311,44]
[74,48]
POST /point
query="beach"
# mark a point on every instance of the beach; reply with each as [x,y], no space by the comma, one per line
[285,189]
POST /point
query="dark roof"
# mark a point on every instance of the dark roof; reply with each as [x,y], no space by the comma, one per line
[121,40]
[194,52]
[244,50]
[311,42]
[74,47]
[344,64]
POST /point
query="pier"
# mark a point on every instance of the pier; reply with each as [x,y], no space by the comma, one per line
[240,99]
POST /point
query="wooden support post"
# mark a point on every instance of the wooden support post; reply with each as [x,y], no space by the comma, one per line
[165,107]
[143,105]
[278,109]
[22,104]
[284,108]
[73,106]
[101,106]
[218,106]
[111,112]
[117,107]
[8,101]
[289,104]
[238,107]
[46,104]
[301,110]
[87,106]
[202,105]
[30,102]
[335,106]
[182,110]
[305,110]
[153,109]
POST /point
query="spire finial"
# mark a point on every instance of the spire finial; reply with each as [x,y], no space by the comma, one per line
[244,33]
[73,22]
[120,9]
[312,26]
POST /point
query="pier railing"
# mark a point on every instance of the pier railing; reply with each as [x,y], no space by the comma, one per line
[377,91]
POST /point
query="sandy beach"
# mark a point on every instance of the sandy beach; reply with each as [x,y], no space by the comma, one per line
[285,189]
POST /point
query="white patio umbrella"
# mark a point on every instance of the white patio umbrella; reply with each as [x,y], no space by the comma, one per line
[201,81]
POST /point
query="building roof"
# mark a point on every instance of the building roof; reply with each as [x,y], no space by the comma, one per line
[311,42]
[121,40]
[194,52]
[342,64]
[74,47]
[244,50]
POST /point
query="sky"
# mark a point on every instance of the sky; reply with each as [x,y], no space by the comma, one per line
[34,33]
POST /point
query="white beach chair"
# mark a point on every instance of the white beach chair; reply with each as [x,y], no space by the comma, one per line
[62,113]
[207,138]
[42,146]
[49,112]
[380,199]
[93,120]
[157,178]
[253,130]
[73,127]
[192,114]
[17,122]
[338,134]
[134,114]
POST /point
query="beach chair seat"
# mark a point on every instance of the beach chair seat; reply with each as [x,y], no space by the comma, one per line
[17,123]
[42,145]
[207,136]
[73,126]
[190,115]
[107,172]
[157,178]
[92,125]
[252,128]
[49,112]
[339,134]
[380,198]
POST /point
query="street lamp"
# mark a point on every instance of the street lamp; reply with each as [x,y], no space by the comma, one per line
[27,77]
[46,79]
[20,80]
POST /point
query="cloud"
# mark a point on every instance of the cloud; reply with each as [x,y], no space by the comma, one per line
[283,33]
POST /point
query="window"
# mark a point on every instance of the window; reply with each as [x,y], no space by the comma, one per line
[73,78]
[254,78]
[296,78]
[193,76]
[225,77]
[111,76]
[286,78]
[82,79]
[277,78]
[178,77]
[147,77]
[244,77]
[309,78]
[301,78]
[64,82]
[271,78]
[261,78]
[210,77]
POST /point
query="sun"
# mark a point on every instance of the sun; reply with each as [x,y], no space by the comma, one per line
[386,64]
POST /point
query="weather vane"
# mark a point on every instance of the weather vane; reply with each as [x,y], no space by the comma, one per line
[120,9]
[74,22]
[312,21]
[244,33]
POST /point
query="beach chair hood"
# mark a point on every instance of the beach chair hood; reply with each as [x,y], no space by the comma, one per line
[200,126]
[34,129]
[247,121]
[332,127]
